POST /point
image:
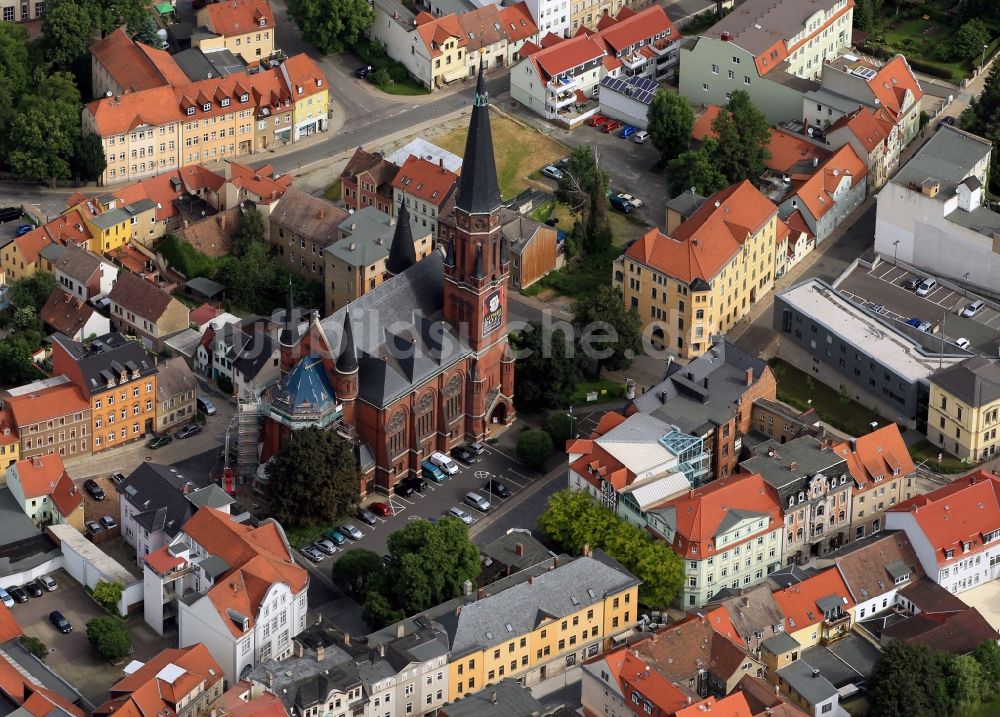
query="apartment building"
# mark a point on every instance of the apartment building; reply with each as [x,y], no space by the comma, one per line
[302,226]
[10,444]
[142,309]
[21,258]
[120,65]
[11,11]
[954,530]
[427,189]
[367,182]
[50,416]
[244,27]
[817,610]
[874,136]
[814,488]
[707,274]
[963,411]
[775,51]
[119,379]
[712,398]
[612,683]
[45,492]
[176,391]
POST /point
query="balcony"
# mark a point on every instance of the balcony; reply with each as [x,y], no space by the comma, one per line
[662,47]
[562,99]
[562,83]
[635,61]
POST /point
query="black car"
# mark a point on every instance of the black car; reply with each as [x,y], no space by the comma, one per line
[96,492]
[464,455]
[362,72]
[18,593]
[912,283]
[60,623]
[415,482]
[366,516]
[946,121]
[403,488]
[497,488]
[192,429]
[34,588]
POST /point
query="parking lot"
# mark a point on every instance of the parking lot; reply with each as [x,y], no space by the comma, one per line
[882,289]
[437,498]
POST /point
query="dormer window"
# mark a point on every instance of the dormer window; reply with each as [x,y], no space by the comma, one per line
[949,553]
[263,21]
[319,82]
[207,106]
[244,97]
[299,89]
[225,102]
[190,111]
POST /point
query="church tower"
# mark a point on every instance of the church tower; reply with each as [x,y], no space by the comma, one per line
[475,275]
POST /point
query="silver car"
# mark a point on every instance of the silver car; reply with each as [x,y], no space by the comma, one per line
[478,502]
[351,532]
[457,512]
[48,583]
[311,553]
[325,546]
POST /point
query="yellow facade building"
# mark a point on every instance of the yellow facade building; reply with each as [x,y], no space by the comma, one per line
[244,27]
[963,413]
[703,277]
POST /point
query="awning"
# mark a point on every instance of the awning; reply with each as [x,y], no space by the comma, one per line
[164,8]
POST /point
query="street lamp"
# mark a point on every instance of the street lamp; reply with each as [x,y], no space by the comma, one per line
[895,251]
[982,60]
[965,283]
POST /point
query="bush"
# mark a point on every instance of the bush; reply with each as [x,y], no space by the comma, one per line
[184,258]
[559,425]
[35,646]
[109,637]
[534,447]
[380,78]
[929,68]
[108,594]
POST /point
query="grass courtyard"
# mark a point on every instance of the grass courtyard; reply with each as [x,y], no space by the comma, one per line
[797,389]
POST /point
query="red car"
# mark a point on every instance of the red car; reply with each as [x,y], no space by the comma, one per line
[612,126]
[382,509]
[598,120]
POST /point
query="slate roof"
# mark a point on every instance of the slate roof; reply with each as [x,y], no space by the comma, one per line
[256,354]
[402,253]
[813,688]
[975,381]
[505,549]
[306,389]
[478,190]
[805,454]
[78,263]
[107,357]
[781,643]
[157,491]
[367,235]
[506,698]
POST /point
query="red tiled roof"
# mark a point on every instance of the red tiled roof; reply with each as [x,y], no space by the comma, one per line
[163,561]
[550,39]
[788,149]
[596,463]
[30,244]
[46,403]
[870,126]
[38,476]
[702,126]
[8,431]
[9,629]
[957,515]
[700,512]
[634,676]
[238,17]
[817,192]
[631,29]
[66,497]
[133,66]
[892,81]
[733,705]
[203,314]
[236,702]
[517,22]
[875,456]
[798,603]
[425,180]
[563,56]
[957,633]
[261,181]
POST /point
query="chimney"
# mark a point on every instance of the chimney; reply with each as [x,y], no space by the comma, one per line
[441,162]
[400,630]
[815,673]
[270,679]
[481,593]
[322,212]
[531,580]
[776,689]
[749,377]
[792,466]
[586,550]
[493,697]
[320,653]
[706,382]
[222,220]
[381,650]
[519,549]
[299,649]
[347,639]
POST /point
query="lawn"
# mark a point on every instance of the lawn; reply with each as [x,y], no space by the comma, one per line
[400,82]
[796,388]
[519,151]
[926,451]
[987,709]
[581,276]
[606,391]
[920,39]
[184,258]
[302,536]
[332,193]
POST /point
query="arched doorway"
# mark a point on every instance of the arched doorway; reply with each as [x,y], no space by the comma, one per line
[498,417]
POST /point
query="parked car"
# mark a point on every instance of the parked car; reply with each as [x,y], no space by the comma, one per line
[627,131]
[478,502]
[403,489]
[612,126]
[416,482]
[878,308]
[18,593]
[325,546]
[431,472]
[335,537]
[464,455]
[192,429]
[312,553]
[108,522]
[497,488]
[920,324]
[457,512]
[23,229]
[93,526]
[5,597]
[94,489]
[634,201]
[351,532]
[60,623]
[362,72]
[620,204]
[34,588]
[443,462]
[366,516]
[382,509]
[964,344]
[950,121]
[477,448]
[117,478]
[926,286]
[160,441]
[597,120]
[973,308]
[206,406]
[552,172]
[640,137]
[911,284]
[48,582]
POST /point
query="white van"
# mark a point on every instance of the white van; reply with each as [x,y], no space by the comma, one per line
[444,463]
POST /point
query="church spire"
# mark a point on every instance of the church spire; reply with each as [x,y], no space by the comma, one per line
[402,253]
[347,361]
[478,190]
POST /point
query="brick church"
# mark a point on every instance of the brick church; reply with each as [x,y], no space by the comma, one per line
[421,363]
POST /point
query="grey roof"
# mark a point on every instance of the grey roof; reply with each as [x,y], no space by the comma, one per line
[347,358]
[173,378]
[804,452]
[402,253]
[200,66]
[111,218]
[518,230]
[505,549]
[790,575]
[424,644]
[304,682]
[366,237]
[733,517]
[139,206]
[686,203]
[833,99]
[752,610]
[309,216]
[158,491]
[398,334]
[781,643]
[52,252]
[78,263]
[22,546]
[975,381]
[830,603]
[813,688]
[757,24]
[255,355]
[36,671]
[506,698]
[206,287]
[211,496]
[214,566]
[897,569]
[478,190]
[682,399]
[105,358]
[949,156]
[844,662]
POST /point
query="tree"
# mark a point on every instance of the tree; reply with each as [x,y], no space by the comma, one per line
[695,169]
[378,612]
[32,291]
[380,77]
[108,594]
[560,425]
[982,117]
[109,637]
[145,31]
[249,277]
[35,646]
[431,563]
[16,71]
[548,366]
[46,127]
[251,232]
[907,682]
[332,27]
[359,570]
[16,366]
[66,31]
[584,188]
[613,330]
[313,479]
[965,683]
[669,122]
[967,42]
[988,656]
[744,134]
[88,161]
[864,16]
[534,447]
[26,319]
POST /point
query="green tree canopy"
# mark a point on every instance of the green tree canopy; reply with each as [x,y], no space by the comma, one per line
[109,637]
[584,188]
[88,160]
[16,367]
[534,446]
[33,291]
[16,73]
[610,328]
[46,127]
[669,122]
[908,682]
[108,594]
[982,117]
[249,277]
[965,683]
[695,169]
[66,30]
[314,479]
[35,646]
[430,564]
[251,232]
[560,425]
[378,612]
[967,42]
[548,366]
[359,570]
[332,27]
[988,656]
[744,137]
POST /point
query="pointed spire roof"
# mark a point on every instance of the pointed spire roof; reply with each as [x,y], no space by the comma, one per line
[402,253]
[347,361]
[478,190]
[479,274]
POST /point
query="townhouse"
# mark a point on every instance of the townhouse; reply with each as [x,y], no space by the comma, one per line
[70,316]
[559,79]
[427,190]
[438,48]
[815,491]
[244,27]
[11,11]
[712,398]
[45,492]
[707,274]
[120,65]
[618,684]
[176,392]
[169,125]
[301,228]
[142,309]
[21,257]
[875,138]
[119,378]
[84,274]
[10,444]
[629,465]
[729,533]
[775,51]
[50,416]
[185,681]
[963,410]
[748,616]
[367,182]
[954,530]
